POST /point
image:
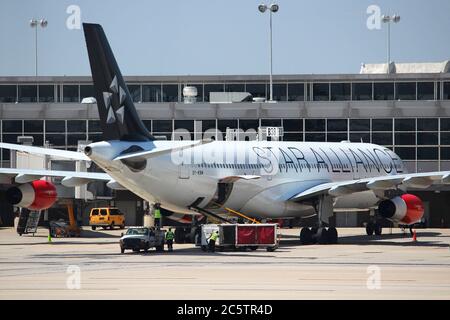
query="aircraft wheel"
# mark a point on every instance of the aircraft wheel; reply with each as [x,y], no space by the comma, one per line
[370,228]
[332,235]
[378,229]
[322,236]
[306,236]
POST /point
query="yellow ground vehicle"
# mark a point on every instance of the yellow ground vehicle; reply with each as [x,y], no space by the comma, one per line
[106,218]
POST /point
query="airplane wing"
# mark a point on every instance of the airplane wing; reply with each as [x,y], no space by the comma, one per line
[72,155]
[342,188]
[70,178]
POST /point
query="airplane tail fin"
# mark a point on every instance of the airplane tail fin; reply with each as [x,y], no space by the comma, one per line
[118,115]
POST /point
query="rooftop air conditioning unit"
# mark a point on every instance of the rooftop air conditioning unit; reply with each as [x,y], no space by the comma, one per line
[190,94]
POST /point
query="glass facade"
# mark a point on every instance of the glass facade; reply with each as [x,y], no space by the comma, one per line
[421,139]
[282,91]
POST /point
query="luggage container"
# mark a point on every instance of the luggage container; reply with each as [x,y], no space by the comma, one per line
[243,236]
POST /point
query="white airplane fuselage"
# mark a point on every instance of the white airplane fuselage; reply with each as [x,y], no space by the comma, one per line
[260,177]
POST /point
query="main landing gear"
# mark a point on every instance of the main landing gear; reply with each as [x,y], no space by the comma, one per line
[374,228]
[318,235]
[321,234]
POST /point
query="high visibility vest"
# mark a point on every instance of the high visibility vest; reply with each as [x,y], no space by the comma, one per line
[214,236]
[157,213]
[170,235]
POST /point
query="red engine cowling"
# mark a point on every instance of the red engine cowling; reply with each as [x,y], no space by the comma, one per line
[36,195]
[406,209]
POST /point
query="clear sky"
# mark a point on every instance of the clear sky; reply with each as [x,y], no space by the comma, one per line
[169,37]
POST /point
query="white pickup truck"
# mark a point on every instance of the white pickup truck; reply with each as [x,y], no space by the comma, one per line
[142,238]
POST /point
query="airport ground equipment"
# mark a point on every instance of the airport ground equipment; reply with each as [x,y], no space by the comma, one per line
[28,222]
[142,238]
[240,214]
[65,229]
[242,236]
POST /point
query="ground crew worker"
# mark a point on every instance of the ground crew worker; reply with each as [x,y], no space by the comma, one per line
[169,239]
[212,241]
[157,214]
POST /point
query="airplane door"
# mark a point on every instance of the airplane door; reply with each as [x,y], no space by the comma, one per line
[183,171]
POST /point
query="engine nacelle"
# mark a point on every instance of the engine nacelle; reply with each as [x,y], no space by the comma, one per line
[36,195]
[406,209]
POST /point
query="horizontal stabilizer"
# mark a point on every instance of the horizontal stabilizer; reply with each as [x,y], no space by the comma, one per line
[159,151]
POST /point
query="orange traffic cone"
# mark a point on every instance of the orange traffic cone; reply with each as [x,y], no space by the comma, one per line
[414,236]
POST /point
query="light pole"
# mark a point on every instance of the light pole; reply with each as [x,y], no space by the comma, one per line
[388,19]
[272,9]
[34,23]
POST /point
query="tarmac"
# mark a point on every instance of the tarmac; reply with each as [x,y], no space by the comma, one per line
[391,266]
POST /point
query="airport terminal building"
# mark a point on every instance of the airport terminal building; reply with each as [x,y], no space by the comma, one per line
[406,109]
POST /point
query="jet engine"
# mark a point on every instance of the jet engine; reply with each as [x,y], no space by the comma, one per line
[36,195]
[406,209]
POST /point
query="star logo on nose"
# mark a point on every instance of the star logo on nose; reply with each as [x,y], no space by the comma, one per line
[119,114]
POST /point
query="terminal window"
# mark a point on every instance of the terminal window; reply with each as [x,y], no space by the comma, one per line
[405,91]
[234,87]
[427,153]
[337,125]
[360,137]
[70,93]
[27,93]
[162,126]
[337,137]
[12,126]
[321,91]
[170,92]
[315,125]
[135,92]
[359,124]
[383,91]
[382,125]
[382,138]
[249,124]
[314,137]
[296,92]
[55,126]
[280,91]
[427,139]
[425,91]
[76,126]
[446,91]
[258,90]
[362,91]
[87,91]
[293,125]
[46,93]
[212,87]
[405,124]
[8,93]
[31,126]
[340,91]
[152,93]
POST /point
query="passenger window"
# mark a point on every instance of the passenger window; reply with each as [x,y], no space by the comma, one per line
[103,212]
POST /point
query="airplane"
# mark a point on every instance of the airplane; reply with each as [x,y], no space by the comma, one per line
[263,179]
